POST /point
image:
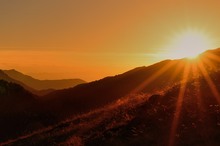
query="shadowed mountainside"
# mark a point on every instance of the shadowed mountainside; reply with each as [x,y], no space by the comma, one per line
[42,84]
[13,95]
[20,111]
[161,119]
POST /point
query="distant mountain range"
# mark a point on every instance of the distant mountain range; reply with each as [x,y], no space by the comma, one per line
[163,79]
[38,87]
[42,84]
[5,77]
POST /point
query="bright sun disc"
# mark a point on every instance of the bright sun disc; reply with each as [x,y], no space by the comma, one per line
[189,44]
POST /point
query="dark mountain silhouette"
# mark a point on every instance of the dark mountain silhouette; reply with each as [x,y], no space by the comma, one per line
[14,100]
[43,84]
[13,95]
[145,120]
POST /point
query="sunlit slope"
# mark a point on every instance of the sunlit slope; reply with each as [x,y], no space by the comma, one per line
[145,120]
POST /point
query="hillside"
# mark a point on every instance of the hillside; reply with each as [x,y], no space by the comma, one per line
[13,95]
[161,119]
[42,84]
[82,97]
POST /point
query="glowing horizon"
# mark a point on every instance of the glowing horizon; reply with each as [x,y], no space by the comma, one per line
[92,39]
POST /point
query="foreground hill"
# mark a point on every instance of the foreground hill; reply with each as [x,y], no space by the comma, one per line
[185,114]
[42,84]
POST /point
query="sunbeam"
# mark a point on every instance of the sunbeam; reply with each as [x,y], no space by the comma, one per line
[153,77]
[212,60]
[197,84]
[209,81]
[209,63]
[177,70]
[213,57]
[179,106]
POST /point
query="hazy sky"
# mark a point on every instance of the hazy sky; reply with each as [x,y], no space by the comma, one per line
[91,39]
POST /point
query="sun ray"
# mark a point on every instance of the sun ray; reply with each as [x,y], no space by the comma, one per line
[179,103]
[153,77]
[212,56]
[180,65]
[197,83]
[210,59]
[209,81]
[207,64]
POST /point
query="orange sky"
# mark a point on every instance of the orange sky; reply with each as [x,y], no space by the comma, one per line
[91,39]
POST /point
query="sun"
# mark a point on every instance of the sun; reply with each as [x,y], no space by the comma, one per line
[189,43]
